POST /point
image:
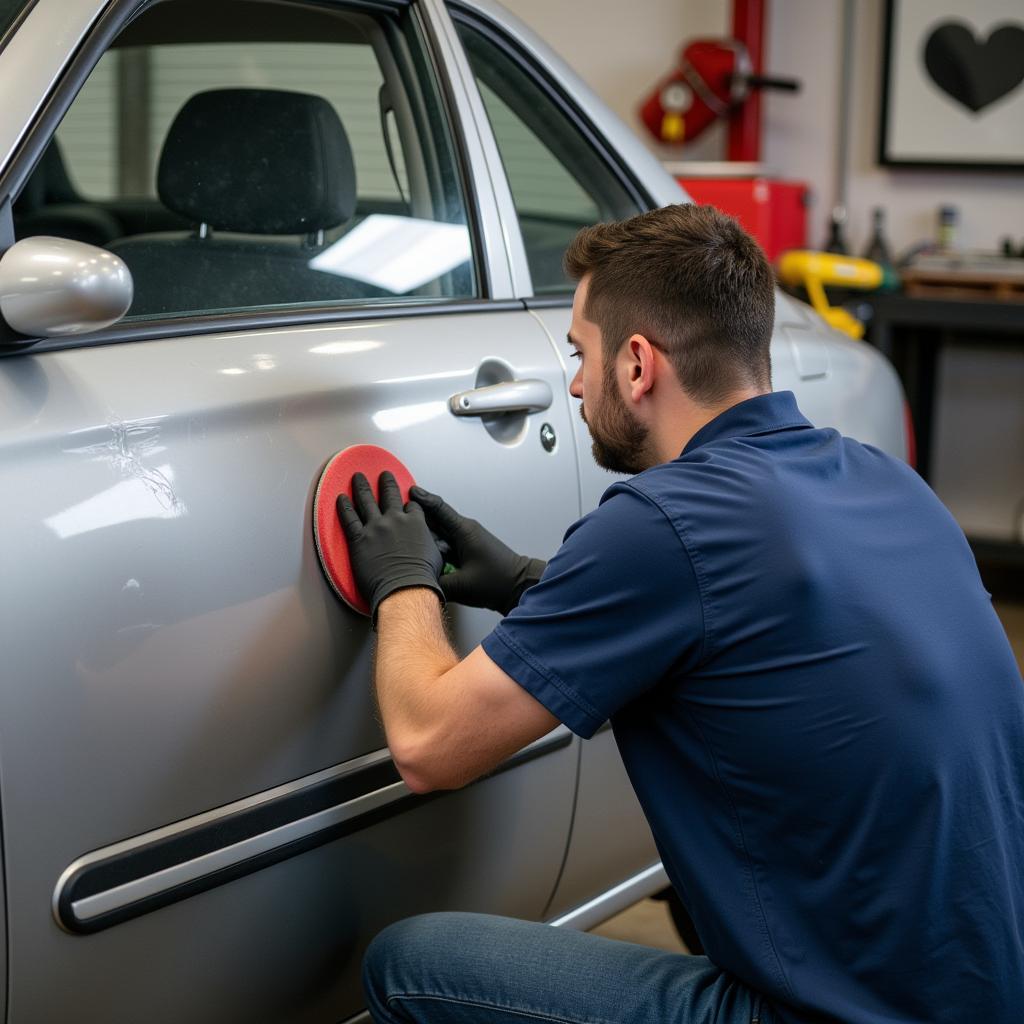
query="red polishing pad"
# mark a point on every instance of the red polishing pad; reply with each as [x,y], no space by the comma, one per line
[331,545]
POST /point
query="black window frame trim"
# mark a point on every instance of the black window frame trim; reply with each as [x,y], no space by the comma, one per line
[98,40]
[562,301]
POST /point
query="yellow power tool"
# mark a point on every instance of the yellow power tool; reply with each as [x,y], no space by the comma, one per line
[812,271]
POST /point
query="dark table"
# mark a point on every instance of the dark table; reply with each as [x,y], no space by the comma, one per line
[912,332]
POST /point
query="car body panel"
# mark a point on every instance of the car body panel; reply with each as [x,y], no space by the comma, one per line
[285,943]
[194,652]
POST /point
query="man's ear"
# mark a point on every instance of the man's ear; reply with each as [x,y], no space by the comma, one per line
[641,366]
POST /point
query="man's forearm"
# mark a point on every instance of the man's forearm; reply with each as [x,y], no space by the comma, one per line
[447,720]
[413,652]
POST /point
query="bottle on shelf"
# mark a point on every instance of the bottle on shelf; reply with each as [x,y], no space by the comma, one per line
[878,248]
[836,238]
[948,220]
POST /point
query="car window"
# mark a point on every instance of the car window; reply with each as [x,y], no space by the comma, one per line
[559,183]
[246,155]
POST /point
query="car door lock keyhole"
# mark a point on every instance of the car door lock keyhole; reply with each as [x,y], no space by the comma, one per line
[547,437]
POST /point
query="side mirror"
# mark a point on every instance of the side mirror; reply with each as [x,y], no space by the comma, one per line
[53,287]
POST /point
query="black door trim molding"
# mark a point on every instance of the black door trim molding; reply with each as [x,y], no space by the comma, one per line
[139,875]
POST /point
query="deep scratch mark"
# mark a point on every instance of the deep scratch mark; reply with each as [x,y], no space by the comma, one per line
[125,450]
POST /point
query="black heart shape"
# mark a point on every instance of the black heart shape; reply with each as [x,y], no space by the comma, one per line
[974,73]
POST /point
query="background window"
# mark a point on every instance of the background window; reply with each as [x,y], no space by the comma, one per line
[244,155]
[346,74]
[559,183]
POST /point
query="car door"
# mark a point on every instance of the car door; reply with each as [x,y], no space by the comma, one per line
[200,819]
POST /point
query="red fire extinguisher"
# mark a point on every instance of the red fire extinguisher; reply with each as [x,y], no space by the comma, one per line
[714,78]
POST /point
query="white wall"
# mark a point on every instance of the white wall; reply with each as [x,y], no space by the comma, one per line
[622,49]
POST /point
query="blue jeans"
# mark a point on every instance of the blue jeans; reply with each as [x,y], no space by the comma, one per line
[478,969]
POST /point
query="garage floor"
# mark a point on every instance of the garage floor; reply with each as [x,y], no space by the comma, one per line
[648,922]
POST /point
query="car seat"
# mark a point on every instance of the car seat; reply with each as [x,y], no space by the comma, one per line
[256,164]
[49,205]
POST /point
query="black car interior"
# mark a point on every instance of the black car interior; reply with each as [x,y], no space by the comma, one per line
[49,205]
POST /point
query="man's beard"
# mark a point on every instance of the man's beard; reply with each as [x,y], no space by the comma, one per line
[621,442]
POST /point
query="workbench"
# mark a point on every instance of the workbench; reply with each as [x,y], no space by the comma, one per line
[912,333]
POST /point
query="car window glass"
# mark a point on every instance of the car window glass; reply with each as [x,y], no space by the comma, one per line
[346,74]
[241,155]
[559,183]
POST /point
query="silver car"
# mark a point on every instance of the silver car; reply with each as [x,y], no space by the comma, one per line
[239,236]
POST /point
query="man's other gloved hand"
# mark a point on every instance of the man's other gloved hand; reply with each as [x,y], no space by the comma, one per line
[390,546]
[488,573]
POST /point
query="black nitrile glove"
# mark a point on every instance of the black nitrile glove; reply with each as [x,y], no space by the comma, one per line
[390,546]
[488,573]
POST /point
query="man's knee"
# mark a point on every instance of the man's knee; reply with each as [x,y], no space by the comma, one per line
[401,954]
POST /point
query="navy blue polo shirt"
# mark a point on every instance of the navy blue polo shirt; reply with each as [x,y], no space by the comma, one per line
[817,707]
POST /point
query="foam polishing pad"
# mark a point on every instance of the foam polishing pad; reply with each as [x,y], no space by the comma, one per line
[331,545]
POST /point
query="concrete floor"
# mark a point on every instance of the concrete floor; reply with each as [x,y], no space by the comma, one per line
[649,923]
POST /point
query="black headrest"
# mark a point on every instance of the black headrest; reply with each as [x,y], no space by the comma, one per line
[260,161]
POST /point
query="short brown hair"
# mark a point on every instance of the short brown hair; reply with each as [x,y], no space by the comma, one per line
[693,282]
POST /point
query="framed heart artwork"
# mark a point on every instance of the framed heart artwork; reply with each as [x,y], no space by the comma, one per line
[953,85]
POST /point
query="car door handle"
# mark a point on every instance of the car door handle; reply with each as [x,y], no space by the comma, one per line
[509,396]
